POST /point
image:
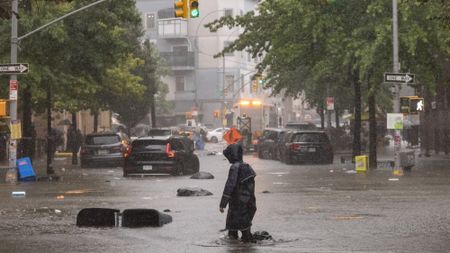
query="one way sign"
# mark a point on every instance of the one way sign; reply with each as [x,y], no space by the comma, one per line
[399,78]
[19,68]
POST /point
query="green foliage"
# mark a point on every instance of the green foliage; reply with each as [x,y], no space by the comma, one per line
[309,45]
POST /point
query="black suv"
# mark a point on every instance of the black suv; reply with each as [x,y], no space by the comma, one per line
[104,149]
[268,143]
[307,146]
[161,154]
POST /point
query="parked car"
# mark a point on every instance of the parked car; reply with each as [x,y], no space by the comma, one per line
[216,135]
[103,149]
[308,146]
[161,154]
[301,126]
[267,144]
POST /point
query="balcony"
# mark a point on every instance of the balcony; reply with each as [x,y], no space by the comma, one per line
[172,28]
[179,60]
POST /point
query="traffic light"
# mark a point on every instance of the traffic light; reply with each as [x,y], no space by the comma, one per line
[216,114]
[416,105]
[404,105]
[255,86]
[193,8]
[181,9]
[4,110]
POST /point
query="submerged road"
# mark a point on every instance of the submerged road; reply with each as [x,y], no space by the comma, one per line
[306,208]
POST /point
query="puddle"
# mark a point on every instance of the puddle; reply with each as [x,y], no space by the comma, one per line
[225,241]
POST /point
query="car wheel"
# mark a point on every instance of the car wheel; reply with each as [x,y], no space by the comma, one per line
[195,165]
[178,170]
[214,139]
[288,159]
[266,154]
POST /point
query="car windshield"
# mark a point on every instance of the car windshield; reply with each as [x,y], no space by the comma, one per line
[301,126]
[149,145]
[102,139]
[310,137]
[159,132]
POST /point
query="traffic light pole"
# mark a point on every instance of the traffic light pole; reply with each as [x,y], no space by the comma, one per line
[396,69]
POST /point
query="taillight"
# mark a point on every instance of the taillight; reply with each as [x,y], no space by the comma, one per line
[169,151]
[127,151]
[294,146]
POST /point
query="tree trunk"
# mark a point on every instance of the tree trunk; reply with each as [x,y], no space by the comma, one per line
[153,110]
[322,115]
[336,116]
[74,120]
[372,126]
[50,135]
[28,135]
[357,114]
[95,114]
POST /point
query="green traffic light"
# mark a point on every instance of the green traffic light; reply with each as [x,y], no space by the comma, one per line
[195,13]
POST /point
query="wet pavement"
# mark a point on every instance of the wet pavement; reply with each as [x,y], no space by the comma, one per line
[306,208]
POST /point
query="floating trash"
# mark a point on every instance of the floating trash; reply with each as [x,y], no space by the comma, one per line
[18,194]
[393,179]
[60,197]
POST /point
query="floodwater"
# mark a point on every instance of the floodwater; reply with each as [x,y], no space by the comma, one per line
[306,208]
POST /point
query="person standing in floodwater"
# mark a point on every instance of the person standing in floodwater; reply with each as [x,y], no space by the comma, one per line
[239,194]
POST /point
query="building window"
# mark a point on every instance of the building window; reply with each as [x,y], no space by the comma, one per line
[226,44]
[229,84]
[179,83]
[150,20]
[180,50]
[228,13]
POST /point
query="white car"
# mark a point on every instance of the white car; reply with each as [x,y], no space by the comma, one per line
[216,135]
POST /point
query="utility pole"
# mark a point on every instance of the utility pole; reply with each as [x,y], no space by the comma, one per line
[13,78]
[396,69]
[223,93]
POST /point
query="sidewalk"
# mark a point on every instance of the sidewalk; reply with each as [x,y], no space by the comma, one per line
[61,160]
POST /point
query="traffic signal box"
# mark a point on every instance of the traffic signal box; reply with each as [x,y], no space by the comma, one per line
[181,9]
[216,114]
[411,105]
[4,108]
[193,8]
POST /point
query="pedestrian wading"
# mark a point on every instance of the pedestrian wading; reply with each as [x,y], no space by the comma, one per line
[239,194]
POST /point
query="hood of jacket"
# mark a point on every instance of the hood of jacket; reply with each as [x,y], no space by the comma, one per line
[233,153]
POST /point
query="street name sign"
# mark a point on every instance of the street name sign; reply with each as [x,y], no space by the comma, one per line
[399,78]
[19,68]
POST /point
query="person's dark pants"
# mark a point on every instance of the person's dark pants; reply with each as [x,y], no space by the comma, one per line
[246,235]
[74,158]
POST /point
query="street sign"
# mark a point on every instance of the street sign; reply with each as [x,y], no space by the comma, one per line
[330,103]
[399,78]
[13,88]
[19,68]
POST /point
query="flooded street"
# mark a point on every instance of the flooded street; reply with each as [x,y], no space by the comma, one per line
[306,208]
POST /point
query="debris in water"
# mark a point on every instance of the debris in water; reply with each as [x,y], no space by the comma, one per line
[393,179]
[167,210]
[18,194]
[350,171]
[60,197]
[266,191]
[331,171]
